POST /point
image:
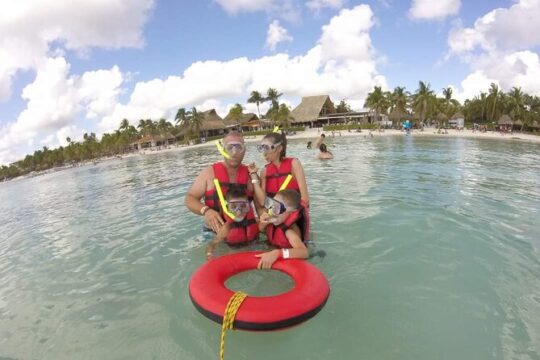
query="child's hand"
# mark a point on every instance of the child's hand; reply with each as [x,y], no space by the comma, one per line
[210,252]
[264,218]
[252,168]
[267,259]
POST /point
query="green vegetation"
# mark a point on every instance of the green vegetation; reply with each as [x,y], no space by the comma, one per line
[424,106]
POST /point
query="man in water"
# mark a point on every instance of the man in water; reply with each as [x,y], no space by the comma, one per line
[229,171]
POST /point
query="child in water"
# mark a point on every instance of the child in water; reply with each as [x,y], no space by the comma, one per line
[241,226]
[287,228]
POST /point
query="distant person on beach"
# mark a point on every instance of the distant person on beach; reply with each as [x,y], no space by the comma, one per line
[319,140]
[281,172]
[221,174]
[309,144]
[324,154]
[240,226]
[287,228]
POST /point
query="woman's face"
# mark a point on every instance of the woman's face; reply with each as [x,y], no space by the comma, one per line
[270,150]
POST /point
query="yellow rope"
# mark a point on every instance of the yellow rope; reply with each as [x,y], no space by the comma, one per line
[228,317]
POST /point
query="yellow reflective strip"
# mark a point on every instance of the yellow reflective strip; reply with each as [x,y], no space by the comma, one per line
[222,150]
[286,182]
[222,200]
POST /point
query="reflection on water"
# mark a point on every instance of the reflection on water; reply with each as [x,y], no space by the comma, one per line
[432,253]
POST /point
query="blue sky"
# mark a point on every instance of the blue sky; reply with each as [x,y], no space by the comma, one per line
[83,66]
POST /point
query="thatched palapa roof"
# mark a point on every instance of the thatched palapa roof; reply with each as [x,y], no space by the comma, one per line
[212,121]
[311,108]
[505,120]
[241,120]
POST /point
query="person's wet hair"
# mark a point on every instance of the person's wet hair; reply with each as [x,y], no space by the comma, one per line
[291,197]
[322,135]
[278,138]
[233,134]
[309,144]
[323,148]
[236,192]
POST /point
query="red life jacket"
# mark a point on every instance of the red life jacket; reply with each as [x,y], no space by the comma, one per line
[276,233]
[211,198]
[245,230]
[276,177]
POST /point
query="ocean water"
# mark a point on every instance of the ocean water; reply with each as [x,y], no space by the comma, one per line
[432,252]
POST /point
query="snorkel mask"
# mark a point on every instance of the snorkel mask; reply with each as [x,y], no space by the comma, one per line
[239,208]
[228,149]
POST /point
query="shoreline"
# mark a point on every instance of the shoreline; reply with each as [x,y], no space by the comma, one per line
[310,133]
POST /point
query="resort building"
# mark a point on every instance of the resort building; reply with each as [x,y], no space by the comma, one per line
[212,124]
[243,122]
[316,111]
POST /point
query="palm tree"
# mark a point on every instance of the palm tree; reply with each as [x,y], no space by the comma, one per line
[516,105]
[377,101]
[192,123]
[448,106]
[235,113]
[256,98]
[124,125]
[399,101]
[272,95]
[180,116]
[423,101]
[495,101]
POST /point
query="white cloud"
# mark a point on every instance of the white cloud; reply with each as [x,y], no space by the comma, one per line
[71,131]
[318,5]
[27,28]
[341,64]
[497,48]
[515,28]
[276,34]
[433,9]
[56,99]
[472,86]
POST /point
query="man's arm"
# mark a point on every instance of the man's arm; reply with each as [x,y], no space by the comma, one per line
[196,192]
[193,200]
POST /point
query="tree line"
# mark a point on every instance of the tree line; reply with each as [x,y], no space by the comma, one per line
[424,105]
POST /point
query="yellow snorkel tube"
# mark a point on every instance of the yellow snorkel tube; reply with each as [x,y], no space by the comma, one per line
[222,200]
[222,150]
[276,129]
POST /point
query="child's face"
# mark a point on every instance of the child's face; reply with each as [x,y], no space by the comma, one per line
[279,210]
[239,206]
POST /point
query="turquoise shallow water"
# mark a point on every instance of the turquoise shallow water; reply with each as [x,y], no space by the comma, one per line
[432,252]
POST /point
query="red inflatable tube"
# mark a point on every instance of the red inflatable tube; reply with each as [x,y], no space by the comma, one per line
[210,296]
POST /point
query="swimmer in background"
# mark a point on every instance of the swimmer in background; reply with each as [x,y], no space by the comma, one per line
[324,154]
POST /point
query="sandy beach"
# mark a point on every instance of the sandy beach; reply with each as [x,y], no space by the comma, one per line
[314,133]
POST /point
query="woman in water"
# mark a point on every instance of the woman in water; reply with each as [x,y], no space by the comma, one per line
[280,173]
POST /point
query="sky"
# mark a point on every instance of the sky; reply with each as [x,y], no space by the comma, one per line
[69,67]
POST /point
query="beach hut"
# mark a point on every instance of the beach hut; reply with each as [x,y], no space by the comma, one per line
[309,110]
[151,141]
[212,124]
[505,123]
[243,122]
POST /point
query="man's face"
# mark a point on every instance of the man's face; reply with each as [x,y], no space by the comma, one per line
[235,147]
